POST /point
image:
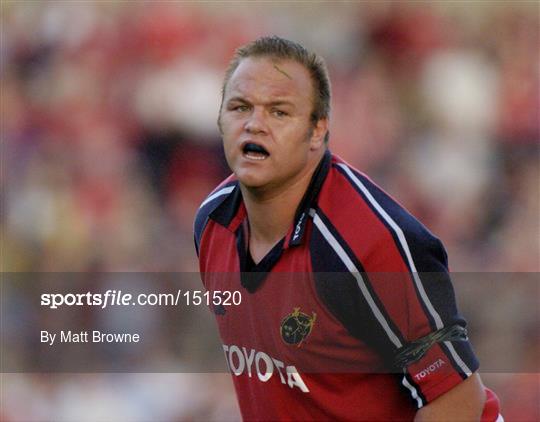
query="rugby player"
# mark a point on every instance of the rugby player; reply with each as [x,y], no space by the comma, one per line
[347,308]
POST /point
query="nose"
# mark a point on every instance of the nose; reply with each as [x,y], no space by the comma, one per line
[255,124]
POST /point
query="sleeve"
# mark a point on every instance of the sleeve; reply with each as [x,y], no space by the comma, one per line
[201,219]
[200,225]
[398,296]
[211,202]
[418,299]
[436,354]
[393,291]
[205,209]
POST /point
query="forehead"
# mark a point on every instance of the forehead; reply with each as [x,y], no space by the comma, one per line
[267,79]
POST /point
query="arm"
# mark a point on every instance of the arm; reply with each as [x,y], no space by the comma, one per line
[464,402]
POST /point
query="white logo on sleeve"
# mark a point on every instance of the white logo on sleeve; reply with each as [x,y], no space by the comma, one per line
[435,366]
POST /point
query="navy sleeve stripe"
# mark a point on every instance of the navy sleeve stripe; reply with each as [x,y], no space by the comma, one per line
[402,243]
[379,302]
[352,268]
[410,262]
[371,201]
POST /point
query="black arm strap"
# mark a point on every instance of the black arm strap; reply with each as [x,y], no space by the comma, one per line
[415,350]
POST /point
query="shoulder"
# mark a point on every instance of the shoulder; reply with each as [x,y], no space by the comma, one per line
[369,222]
[210,204]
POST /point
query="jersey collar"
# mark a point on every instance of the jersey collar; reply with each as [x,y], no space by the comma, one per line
[296,234]
[231,212]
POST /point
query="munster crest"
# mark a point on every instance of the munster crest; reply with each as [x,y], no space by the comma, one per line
[296,326]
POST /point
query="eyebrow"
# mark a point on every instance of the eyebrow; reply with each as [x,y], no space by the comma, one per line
[272,103]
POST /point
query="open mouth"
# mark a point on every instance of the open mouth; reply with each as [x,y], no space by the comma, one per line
[254,152]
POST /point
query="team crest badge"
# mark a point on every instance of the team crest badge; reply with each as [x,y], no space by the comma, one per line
[296,326]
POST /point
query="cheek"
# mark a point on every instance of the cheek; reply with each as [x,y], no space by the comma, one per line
[293,156]
[228,148]
[229,133]
[296,141]
[230,124]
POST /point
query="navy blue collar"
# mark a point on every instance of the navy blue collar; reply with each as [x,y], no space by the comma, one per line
[310,199]
[225,213]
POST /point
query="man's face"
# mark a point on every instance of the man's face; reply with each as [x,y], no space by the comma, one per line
[268,137]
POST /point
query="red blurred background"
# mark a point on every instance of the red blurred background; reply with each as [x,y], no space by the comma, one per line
[109,144]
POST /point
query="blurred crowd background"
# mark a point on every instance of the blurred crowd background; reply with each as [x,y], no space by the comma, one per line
[109,144]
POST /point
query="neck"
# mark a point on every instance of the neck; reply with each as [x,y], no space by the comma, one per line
[272,212]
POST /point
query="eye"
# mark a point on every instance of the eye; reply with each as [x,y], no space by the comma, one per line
[240,108]
[279,113]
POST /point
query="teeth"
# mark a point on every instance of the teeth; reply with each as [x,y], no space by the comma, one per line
[256,156]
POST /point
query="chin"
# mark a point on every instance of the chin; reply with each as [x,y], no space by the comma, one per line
[250,181]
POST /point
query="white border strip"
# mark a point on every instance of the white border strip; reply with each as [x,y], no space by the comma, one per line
[352,268]
[413,391]
[438,322]
[219,193]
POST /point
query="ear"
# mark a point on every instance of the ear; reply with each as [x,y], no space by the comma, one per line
[220,128]
[219,125]
[318,133]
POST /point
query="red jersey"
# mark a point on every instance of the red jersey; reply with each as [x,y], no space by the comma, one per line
[326,316]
